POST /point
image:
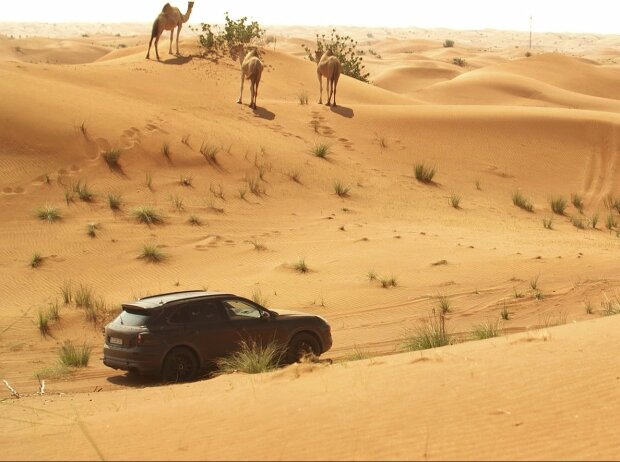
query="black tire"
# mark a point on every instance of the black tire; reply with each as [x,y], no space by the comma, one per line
[180,365]
[302,345]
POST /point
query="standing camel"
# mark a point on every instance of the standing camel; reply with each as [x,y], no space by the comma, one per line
[251,69]
[328,66]
[169,18]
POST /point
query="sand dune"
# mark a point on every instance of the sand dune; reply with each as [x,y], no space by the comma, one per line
[547,126]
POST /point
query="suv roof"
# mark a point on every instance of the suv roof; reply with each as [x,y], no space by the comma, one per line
[156,301]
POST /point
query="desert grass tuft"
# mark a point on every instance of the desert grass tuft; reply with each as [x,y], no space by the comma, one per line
[111,157]
[177,203]
[611,222]
[610,305]
[371,275]
[341,190]
[209,152]
[259,247]
[387,282]
[577,201]
[43,323]
[504,313]
[36,260]
[66,290]
[152,254]
[431,333]
[254,185]
[594,220]
[455,201]
[486,329]
[522,202]
[444,304]
[147,215]
[300,266]
[534,283]
[321,150]
[114,201]
[48,213]
[558,205]
[578,223]
[217,191]
[194,220]
[548,222]
[259,297]
[83,191]
[423,173]
[92,229]
[84,296]
[303,98]
[252,358]
[588,307]
[165,151]
[74,356]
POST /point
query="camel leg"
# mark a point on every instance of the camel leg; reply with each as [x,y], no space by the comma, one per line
[256,92]
[240,100]
[157,45]
[148,53]
[335,84]
[330,85]
[171,40]
[321,88]
[178,33]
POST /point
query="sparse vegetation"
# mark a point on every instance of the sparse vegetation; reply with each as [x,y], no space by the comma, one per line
[91,229]
[259,297]
[177,203]
[558,205]
[152,254]
[165,151]
[522,202]
[548,222]
[611,222]
[371,275]
[83,191]
[459,62]
[504,313]
[321,150]
[43,323]
[36,260]
[48,213]
[589,308]
[594,221]
[217,191]
[73,356]
[424,173]
[114,201]
[252,358]
[429,334]
[111,157]
[578,223]
[444,305]
[577,201]
[448,43]
[486,329]
[210,152]
[534,283]
[301,266]
[66,290]
[387,282]
[455,201]
[194,220]
[341,190]
[84,296]
[147,215]
[610,305]
[254,185]
[234,32]
[303,98]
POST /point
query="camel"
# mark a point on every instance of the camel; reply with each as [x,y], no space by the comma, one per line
[169,18]
[328,66]
[251,69]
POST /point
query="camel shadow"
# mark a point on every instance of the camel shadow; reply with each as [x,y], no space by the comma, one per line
[178,60]
[264,113]
[343,111]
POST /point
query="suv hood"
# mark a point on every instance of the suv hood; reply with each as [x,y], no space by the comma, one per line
[280,312]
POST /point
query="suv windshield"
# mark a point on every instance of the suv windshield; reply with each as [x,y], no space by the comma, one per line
[136,317]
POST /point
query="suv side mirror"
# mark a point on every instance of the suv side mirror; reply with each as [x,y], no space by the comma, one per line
[265,316]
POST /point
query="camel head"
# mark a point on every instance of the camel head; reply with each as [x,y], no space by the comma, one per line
[190,5]
[318,55]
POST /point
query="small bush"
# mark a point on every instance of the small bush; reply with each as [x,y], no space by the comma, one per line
[371,275]
[423,173]
[610,305]
[234,32]
[114,201]
[152,254]
[73,356]
[48,213]
[522,202]
[147,216]
[558,205]
[321,150]
[252,358]
[459,62]
[388,282]
[341,190]
[448,43]
[548,222]
[429,334]
[36,260]
[486,329]
[111,157]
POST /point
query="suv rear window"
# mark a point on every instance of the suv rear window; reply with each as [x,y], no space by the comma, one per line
[137,318]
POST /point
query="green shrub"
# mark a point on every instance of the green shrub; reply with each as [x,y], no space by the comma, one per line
[344,48]
[448,43]
[114,201]
[152,254]
[48,213]
[459,62]
[321,150]
[301,266]
[234,32]
[147,215]
[83,192]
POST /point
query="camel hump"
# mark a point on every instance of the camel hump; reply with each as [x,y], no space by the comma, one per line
[167,8]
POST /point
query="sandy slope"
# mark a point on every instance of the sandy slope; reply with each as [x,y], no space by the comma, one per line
[546,125]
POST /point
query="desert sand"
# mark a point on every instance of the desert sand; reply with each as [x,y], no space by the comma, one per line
[547,125]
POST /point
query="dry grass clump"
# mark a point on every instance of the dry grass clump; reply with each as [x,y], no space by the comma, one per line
[152,254]
[548,222]
[428,334]
[455,201]
[83,191]
[611,222]
[486,329]
[36,260]
[252,358]
[209,152]
[300,266]
[91,229]
[578,223]
[341,190]
[114,201]
[558,205]
[522,202]
[74,356]
[254,185]
[577,201]
[610,305]
[111,157]
[194,220]
[48,213]
[260,298]
[424,173]
[448,43]
[321,150]
[147,215]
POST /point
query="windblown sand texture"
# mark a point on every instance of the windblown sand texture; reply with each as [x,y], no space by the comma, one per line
[546,125]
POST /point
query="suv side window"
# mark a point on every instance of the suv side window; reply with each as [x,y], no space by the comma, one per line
[201,311]
[240,310]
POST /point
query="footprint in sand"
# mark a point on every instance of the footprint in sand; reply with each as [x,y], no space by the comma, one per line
[12,191]
[208,242]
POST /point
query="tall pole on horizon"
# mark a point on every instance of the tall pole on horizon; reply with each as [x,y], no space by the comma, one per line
[530,32]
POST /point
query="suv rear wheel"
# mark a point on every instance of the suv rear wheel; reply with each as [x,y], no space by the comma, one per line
[302,345]
[180,365]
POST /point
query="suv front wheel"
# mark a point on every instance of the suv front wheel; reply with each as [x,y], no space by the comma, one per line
[302,346]
[180,365]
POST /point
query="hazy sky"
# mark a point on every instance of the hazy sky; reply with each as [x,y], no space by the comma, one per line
[602,16]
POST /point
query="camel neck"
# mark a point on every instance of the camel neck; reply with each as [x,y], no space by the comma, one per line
[187,15]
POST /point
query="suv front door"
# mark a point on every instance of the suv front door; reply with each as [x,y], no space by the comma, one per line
[250,323]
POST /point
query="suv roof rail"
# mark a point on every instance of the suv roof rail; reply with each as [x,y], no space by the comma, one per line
[173,293]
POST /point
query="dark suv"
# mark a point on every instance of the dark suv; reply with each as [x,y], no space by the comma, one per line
[176,335]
